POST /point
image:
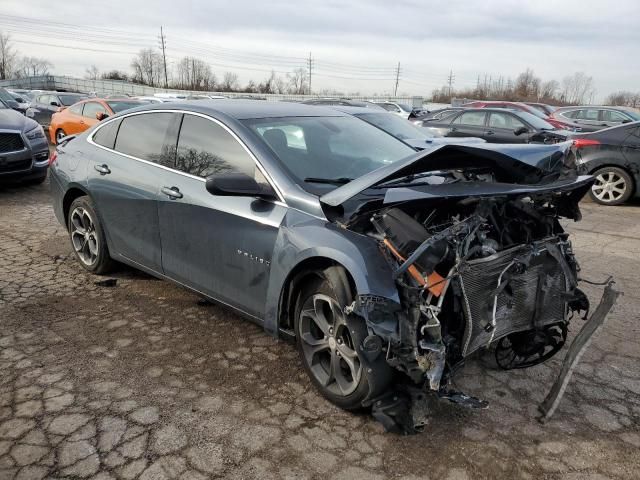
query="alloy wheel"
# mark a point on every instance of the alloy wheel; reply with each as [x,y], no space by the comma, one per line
[60,136]
[84,236]
[327,345]
[609,187]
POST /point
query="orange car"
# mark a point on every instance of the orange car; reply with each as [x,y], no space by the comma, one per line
[83,115]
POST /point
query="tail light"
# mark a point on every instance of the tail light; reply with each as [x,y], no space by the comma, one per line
[585,142]
[53,157]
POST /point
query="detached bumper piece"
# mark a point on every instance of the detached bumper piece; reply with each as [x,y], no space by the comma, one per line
[577,348]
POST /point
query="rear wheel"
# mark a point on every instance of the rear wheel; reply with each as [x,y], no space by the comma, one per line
[327,346]
[613,186]
[60,134]
[87,237]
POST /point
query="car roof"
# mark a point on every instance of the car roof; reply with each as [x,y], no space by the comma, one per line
[247,109]
[355,110]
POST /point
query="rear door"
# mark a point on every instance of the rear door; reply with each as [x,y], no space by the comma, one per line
[588,120]
[218,245]
[469,124]
[125,176]
[501,128]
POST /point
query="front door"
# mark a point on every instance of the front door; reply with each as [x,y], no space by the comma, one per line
[125,182]
[468,124]
[218,245]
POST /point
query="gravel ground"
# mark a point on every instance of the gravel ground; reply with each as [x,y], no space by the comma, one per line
[142,381]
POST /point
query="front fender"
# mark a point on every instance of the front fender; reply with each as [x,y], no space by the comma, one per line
[302,237]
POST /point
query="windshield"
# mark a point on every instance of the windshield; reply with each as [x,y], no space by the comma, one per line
[405,107]
[6,96]
[3,106]
[633,114]
[535,121]
[118,107]
[396,126]
[316,148]
[67,100]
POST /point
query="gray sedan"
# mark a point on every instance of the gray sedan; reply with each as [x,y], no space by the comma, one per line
[388,267]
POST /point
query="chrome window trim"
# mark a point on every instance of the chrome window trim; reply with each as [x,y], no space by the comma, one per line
[260,167]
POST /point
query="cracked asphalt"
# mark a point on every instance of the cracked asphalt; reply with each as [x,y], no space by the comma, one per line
[142,381]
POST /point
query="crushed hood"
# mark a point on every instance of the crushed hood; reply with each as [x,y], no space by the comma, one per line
[513,166]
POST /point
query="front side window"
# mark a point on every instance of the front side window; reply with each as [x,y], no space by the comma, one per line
[475,119]
[205,148]
[122,105]
[144,136]
[504,120]
[588,114]
[67,100]
[93,108]
[613,116]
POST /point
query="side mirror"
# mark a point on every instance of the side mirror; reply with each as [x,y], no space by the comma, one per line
[520,130]
[101,116]
[235,184]
[626,120]
[54,104]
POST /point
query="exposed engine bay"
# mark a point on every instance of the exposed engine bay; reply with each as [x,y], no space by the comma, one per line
[480,260]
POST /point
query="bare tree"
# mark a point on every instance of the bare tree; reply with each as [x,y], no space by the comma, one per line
[229,82]
[114,75]
[527,86]
[32,67]
[624,99]
[577,88]
[92,73]
[194,74]
[148,67]
[7,57]
[298,81]
[549,90]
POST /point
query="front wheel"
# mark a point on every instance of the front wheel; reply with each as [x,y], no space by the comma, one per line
[87,237]
[328,347]
[60,134]
[613,186]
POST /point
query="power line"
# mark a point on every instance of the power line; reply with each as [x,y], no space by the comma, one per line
[310,70]
[450,80]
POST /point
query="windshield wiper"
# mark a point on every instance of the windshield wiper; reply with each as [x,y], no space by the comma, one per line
[407,179]
[331,181]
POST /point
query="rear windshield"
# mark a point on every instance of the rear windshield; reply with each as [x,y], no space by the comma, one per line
[536,121]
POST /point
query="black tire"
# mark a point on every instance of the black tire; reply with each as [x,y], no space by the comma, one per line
[613,186]
[60,134]
[331,284]
[83,223]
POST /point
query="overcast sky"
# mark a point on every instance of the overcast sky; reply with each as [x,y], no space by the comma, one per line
[356,44]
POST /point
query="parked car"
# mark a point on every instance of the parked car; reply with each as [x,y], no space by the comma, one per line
[542,107]
[418,138]
[297,218]
[24,150]
[82,115]
[150,99]
[592,119]
[23,101]
[557,123]
[46,104]
[343,102]
[498,125]
[612,156]
[401,109]
[10,101]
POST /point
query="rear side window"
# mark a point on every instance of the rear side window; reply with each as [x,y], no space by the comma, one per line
[143,136]
[106,135]
[504,120]
[475,119]
[205,148]
[570,114]
[613,116]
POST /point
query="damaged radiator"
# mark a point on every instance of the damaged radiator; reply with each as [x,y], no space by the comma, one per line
[514,290]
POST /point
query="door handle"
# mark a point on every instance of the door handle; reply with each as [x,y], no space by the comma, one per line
[489,132]
[103,169]
[81,122]
[171,192]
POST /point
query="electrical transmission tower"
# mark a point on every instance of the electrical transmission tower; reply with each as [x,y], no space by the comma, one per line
[395,90]
[451,80]
[310,65]
[163,44]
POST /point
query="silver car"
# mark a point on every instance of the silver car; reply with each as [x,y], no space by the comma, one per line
[388,267]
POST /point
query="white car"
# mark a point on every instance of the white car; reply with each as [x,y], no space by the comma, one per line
[401,109]
[155,99]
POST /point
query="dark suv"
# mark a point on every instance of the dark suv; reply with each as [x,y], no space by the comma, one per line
[45,104]
[24,150]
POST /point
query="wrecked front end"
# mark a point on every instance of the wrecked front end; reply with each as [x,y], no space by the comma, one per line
[480,260]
